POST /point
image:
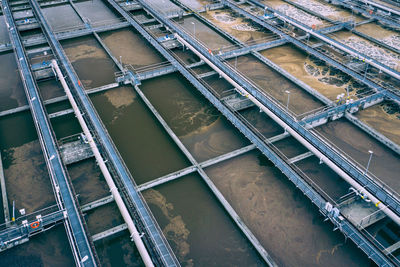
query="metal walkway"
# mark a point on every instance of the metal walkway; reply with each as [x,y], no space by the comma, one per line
[21,231]
[345,226]
[80,244]
[154,239]
[340,66]
[332,42]
[363,9]
[344,164]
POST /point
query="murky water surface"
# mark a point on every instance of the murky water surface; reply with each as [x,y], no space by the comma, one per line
[197,228]
[86,52]
[385,118]
[26,177]
[242,29]
[356,143]
[211,39]
[315,73]
[130,48]
[275,85]
[4,38]
[49,249]
[202,129]
[62,18]
[283,220]
[196,4]
[97,12]
[12,92]
[147,150]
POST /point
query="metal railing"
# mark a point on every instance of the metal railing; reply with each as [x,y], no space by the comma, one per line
[30,216]
[323,147]
[76,233]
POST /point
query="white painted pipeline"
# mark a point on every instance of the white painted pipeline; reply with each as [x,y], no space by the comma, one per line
[113,189]
[341,47]
[298,137]
[389,9]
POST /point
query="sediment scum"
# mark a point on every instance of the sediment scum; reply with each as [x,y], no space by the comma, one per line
[83,50]
[369,49]
[192,115]
[385,118]
[329,75]
[386,35]
[237,22]
[11,88]
[391,109]
[120,98]
[26,177]
[299,15]
[175,230]
[320,8]
[280,217]
[239,27]
[327,80]
[273,83]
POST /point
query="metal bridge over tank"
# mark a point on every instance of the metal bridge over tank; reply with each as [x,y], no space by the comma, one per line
[245,94]
[80,244]
[160,250]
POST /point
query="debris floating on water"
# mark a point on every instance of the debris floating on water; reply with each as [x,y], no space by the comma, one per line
[299,15]
[393,41]
[319,8]
[383,56]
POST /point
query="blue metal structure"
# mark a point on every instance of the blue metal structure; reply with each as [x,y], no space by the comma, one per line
[362,8]
[312,51]
[80,244]
[306,188]
[348,26]
[67,35]
[339,111]
[373,186]
[18,234]
[352,170]
[333,42]
[267,150]
[154,239]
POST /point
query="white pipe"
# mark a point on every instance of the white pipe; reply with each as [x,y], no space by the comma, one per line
[298,137]
[121,205]
[384,7]
[341,47]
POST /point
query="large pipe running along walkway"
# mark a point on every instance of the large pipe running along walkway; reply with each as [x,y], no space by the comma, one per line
[380,6]
[39,40]
[153,234]
[323,151]
[313,120]
[349,26]
[342,166]
[81,247]
[375,134]
[113,189]
[388,21]
[235,217]
[308,49]
[308,190]
[295,134]
[330,41]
